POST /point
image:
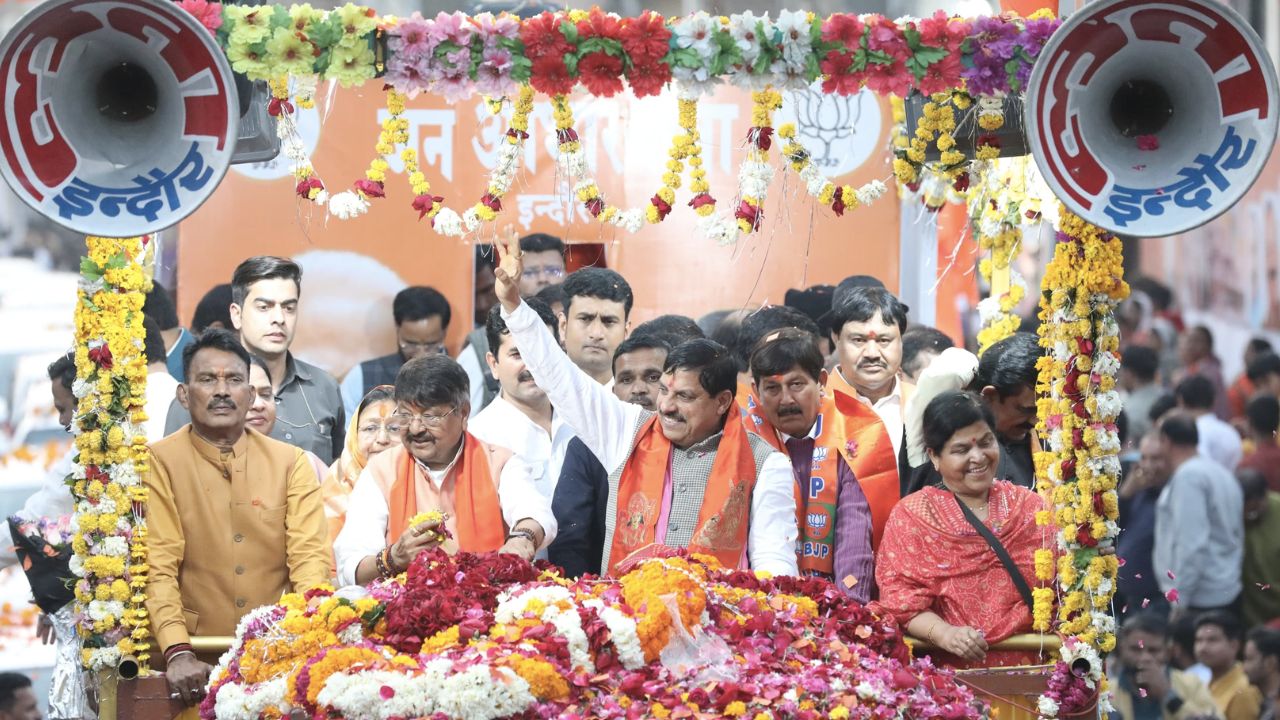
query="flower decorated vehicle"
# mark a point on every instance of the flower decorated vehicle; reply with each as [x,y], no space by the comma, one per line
[491,636]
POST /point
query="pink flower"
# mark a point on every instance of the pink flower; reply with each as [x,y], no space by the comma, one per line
[208,13]
[409,40]
[450,27]
[1148,143]
[387,692]
[493,76]
[1172,595]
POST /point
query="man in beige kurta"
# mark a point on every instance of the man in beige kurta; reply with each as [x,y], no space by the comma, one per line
[234,518]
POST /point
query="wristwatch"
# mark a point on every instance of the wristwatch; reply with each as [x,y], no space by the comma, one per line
[524,533]
[1173,704]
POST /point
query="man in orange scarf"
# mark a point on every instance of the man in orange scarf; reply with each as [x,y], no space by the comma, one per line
[689,476]
[486,496]
[754,327]
[868,323]
[834,508]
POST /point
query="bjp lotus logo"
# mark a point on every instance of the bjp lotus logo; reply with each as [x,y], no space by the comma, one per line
[840,132]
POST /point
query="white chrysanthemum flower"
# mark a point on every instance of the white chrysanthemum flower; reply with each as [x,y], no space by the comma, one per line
[347,205]
[718,227]
[744,27]
[471,220]
[1047,707]
[448,223]
[816,185]
[870,192]
[322,198]
[696,31]
[793,25]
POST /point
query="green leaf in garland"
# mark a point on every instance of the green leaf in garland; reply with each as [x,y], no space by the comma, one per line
[571,63]
[879,57]
[90,270]
[569,30]
[326,34]
[521,68]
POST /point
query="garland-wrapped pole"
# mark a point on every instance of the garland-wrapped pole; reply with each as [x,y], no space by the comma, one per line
[110,530]
[1078,408]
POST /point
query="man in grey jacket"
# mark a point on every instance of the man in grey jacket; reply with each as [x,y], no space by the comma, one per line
[1199,544]
[264,309]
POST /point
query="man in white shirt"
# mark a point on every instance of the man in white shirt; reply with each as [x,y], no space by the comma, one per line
[868,323]
[683,477]
[597,307]
[484,493]
[1219,441]
[521,419]
[162,388]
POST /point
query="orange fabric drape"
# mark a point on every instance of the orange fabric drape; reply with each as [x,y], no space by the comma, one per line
[477,512]
[726,505]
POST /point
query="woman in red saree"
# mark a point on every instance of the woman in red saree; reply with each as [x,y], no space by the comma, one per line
[938,577]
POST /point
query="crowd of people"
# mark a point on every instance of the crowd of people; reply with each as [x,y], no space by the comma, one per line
[827,436]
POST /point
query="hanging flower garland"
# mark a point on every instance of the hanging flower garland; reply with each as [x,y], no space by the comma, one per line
[572,161]
[308,184]
[109,523]
[395,132]
[838,197]
[756,173]
[999,205]
[447,221]
[1078,407]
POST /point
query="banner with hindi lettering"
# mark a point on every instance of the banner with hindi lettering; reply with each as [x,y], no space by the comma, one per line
[353,268]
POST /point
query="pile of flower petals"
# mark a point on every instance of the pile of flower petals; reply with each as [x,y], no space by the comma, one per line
[490,636]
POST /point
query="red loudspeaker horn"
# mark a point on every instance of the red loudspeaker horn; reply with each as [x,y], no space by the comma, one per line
[120,116]
[1151,117]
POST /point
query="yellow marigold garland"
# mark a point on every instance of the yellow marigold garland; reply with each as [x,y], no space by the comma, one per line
[394,133]
[486,210]
[308,185]
[110,543]
[702,203]
[999,204]
[838,197]
[1078,407]
[684,146]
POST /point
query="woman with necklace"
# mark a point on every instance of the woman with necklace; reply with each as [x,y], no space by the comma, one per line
[939,567]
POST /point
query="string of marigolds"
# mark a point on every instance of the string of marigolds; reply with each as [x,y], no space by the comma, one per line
[1078,408]
[110,541]
[838,197]
[447,221]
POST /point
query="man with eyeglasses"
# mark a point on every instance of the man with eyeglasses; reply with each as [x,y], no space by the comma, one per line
[485,494]
[234,518]
[547,270]
[422,317]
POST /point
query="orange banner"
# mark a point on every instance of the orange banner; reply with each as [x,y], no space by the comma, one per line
[354,267]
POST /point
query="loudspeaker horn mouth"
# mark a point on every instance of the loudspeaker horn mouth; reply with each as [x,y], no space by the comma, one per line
[126,92]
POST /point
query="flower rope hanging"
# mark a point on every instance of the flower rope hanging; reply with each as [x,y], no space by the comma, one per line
[1078,406]
[110,542]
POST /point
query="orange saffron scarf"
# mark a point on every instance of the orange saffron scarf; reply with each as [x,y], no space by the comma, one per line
[477,512]
[723,520]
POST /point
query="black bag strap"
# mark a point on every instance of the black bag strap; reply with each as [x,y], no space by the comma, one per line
[1010,567]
